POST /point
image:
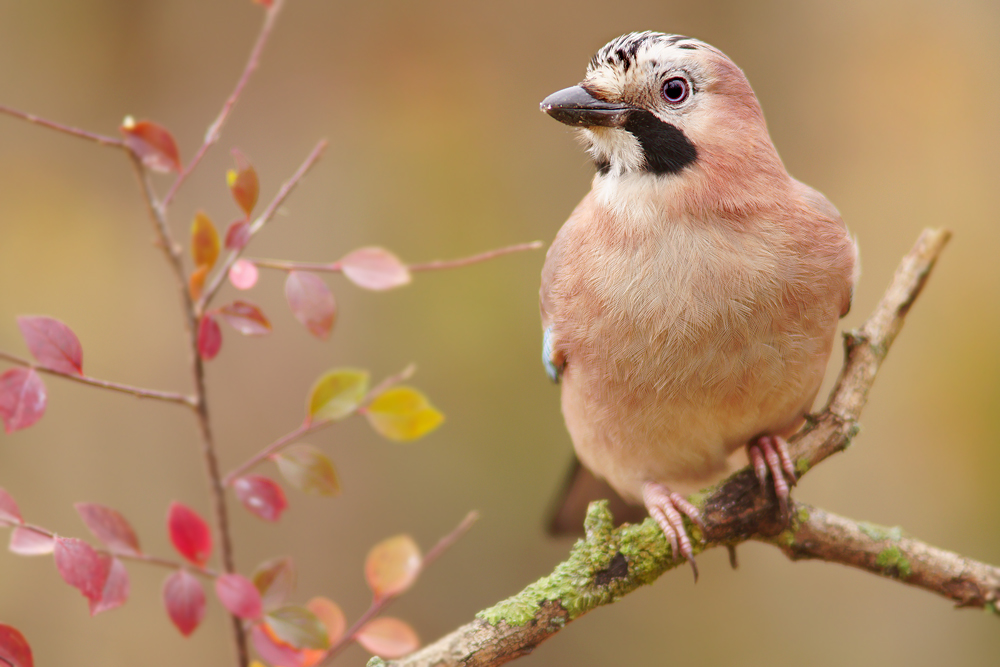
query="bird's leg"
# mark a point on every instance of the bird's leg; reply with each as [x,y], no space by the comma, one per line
[769,455]
[666,508]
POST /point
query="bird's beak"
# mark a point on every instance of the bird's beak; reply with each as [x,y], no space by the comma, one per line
[575,106]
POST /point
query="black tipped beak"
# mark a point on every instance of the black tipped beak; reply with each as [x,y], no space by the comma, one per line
[575,106]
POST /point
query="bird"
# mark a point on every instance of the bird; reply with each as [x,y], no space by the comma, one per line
[690,302]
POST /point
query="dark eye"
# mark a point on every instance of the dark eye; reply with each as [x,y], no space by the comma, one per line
[676,90]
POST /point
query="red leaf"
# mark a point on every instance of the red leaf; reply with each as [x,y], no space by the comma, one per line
[265,3]
[238,235]
[388,637]
[261,495]
[245,318]
[239,595]
[311,302]
[26,542]
[374,268]
[243,274]
[14,649]
[184,599]
[22,398]
[243,183]
[109,527]
[273,650]
[209,337]
[275,579]
[116,589]
[53,343]
[82,567]
[9,510]
[189,533]
[152,143]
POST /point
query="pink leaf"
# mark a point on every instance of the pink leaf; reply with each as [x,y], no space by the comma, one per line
[109,527]
[311,302]
[388,637]
[115,591]
[9,510]
[238,235]
[209,337]
[14,649]
[22,398]
[26,542]
[243,274]
[82,567]
[239,596]
[184,599]
[273,650]
[189,533]
[52,343]
[374,268]
[245,318]
[152,143]
[261,495]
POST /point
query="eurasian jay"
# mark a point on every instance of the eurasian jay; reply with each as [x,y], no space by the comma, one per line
[690,301]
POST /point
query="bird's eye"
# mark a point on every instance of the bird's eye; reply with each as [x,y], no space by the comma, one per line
[676,90]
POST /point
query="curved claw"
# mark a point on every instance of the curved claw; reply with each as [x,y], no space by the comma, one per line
[666,508]
[769,456]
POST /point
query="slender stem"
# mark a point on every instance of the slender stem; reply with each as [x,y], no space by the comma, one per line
[272,208]
[214,130]
[474,259]
[168,396]
[217,492]
[273,448]
[380,603]
[65,129]
[124,555]
[308,426]
[335,267]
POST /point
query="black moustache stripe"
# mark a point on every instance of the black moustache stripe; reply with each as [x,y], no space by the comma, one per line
[666,148]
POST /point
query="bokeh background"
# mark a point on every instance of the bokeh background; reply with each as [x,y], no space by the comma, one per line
[438,151]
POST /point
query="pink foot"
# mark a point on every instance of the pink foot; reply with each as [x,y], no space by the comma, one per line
[666,508]
[769,455]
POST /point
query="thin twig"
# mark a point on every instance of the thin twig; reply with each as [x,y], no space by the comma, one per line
[65,129]
[168,396]
[380,603]
[214,130]
[310,426]
[336,267]
[272,208]
[481,257]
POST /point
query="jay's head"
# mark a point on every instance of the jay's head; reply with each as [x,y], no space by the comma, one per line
[660,104]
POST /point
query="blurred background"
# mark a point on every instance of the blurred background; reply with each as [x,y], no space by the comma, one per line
[437,150]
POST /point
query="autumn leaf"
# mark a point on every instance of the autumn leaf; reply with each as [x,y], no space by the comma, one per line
[275,579]
[308,469]
[52,343]
[337,394]
[152,143]
[205,243]
[184,598]
[14,648]
[246,318]
[243,183]
[261,496]
[392,566]
[402,414]
[374,268]
[238,595]
[298,627]
[189,533]
[388,637]
[22,398]
[110,527]
[311,302]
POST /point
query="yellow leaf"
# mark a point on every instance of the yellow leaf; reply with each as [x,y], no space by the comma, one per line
[403,413]
[204,241]
[337,394]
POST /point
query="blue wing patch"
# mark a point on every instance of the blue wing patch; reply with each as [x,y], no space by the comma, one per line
[553,370]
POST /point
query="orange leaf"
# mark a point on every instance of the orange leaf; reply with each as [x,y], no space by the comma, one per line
[243,183]
[392,566]
[196,281]
[153,143]
[204,241]
[330,615]
[388,637]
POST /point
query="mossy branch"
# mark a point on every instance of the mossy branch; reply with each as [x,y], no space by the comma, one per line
[611,562]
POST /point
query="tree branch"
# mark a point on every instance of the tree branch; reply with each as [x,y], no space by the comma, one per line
[887,552]
[609,563]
